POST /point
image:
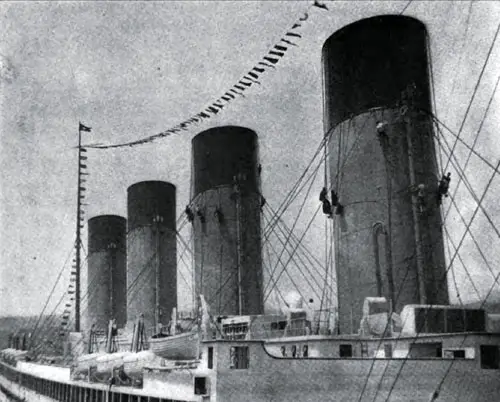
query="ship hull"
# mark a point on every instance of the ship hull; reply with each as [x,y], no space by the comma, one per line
[270,378]
[279,379]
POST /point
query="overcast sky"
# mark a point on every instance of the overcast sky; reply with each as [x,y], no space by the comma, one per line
[133,69]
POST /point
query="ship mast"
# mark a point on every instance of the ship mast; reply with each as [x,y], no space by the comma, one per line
[78,242]
[78,234]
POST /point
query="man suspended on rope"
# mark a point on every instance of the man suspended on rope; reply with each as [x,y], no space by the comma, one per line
[444,185]
[335,198]
[335,202]
[382,130]
[327,207]
[262,202]
[421,197]
[200,215]
[322,195]
[189,213]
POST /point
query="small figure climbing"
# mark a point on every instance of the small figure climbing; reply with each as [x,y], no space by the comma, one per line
[327,207]
[189,213]
[262,202]
[335,198]
[322,195]
[444,185]
[200,215]
[382,130]
[335,202]
[421,197]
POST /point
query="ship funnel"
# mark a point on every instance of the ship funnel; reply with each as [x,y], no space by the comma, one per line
[226,211]
[106,283]
[377,106]
[152,253]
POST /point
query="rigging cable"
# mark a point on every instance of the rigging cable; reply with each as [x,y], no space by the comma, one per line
[463,264]
[406,7]
[289,277]
[292,194]
[305,231]
[473,238]
[51,292]
[275,286]
[474,93]
[284,267]
[475,141]
[304,264]
[297,218]
[301,247]
[471,191]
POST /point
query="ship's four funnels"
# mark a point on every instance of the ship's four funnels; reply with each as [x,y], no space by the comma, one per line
[226,208]
[107,281]
[380,140]
[152,253]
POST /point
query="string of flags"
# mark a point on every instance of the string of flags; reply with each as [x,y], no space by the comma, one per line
[269,61]
[65,321]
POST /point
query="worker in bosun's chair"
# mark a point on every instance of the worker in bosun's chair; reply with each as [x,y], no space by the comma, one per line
[335,202]
[382,130]
[189,214]
[421,197]
[444,185]
[327,207]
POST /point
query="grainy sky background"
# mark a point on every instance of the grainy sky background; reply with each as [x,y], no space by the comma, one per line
[133,69]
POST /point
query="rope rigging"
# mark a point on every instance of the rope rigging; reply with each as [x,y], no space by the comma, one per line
[463,264]
[469,187]
[291,256]
[269,244]
[305,252]
[34,332]
[478,247]
[476,137]
[474,93]
[296,220]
